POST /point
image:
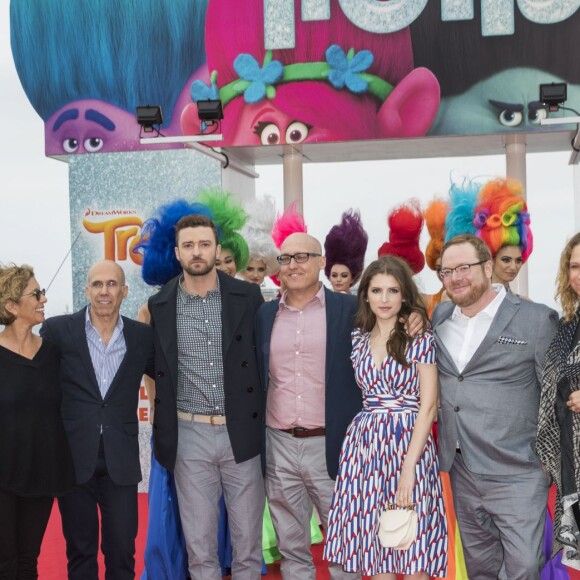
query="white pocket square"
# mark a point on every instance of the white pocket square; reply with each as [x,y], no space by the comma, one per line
[509,340]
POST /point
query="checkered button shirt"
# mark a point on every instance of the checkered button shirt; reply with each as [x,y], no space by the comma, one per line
[200,375]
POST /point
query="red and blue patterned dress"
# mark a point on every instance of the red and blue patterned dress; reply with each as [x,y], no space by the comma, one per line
[370,463]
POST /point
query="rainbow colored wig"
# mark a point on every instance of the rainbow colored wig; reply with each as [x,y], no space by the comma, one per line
[405,225]
[462,203]
[346,244]
[502,218]
[229,217]
[435,215]
[157,243]
[258,232]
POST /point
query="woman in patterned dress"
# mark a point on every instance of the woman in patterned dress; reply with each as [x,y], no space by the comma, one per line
[388,455]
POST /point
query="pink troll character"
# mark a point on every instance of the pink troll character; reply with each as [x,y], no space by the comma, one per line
[338,83]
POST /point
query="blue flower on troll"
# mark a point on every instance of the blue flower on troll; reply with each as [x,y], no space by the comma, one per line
[202,92]
[261,79]
[345,69]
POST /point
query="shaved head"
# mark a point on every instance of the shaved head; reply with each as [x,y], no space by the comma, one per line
[107,264]
[306,242]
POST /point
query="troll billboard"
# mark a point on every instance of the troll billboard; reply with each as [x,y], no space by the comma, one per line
[291,71]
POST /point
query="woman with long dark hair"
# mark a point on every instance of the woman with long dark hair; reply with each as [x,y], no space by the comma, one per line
[388,456]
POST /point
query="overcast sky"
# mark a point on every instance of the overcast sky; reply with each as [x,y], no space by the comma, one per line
[35,211]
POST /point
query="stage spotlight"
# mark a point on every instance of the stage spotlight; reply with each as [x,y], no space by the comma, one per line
[553,95]
[150,118]
[210,111]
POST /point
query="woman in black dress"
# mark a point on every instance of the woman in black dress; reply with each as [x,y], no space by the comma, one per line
[35,460]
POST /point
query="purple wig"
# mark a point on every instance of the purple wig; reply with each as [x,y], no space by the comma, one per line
[346,244]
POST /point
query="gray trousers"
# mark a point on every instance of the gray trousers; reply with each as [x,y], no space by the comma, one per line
[205,467]
[296,478]
[501,521]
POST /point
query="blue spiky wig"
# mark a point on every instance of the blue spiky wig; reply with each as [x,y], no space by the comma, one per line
[158,240]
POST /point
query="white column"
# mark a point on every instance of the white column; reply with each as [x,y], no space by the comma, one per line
[293,181]
[576,185]
[515,150]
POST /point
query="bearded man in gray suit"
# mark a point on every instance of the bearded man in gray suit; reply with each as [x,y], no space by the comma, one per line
[491,347]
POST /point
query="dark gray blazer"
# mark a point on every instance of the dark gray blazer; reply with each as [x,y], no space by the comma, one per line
[243,393]
[84,409]
[491,407]
[343,396]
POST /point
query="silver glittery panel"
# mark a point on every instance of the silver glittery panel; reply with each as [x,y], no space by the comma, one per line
[315,10]
[382,17]
[145,451]
[129,187]
[279,24]
[548,11]
[497,17]
[457,10]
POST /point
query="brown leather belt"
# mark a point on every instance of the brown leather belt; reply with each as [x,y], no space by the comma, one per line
[208,419]
[302,432]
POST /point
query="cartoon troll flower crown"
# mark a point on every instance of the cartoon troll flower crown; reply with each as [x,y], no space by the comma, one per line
[256,83]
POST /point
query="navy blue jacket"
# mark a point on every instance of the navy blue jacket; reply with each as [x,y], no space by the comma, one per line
[343,396]
[84,410]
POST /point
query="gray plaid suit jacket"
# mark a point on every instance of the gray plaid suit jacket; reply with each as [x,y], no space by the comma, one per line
[491,407]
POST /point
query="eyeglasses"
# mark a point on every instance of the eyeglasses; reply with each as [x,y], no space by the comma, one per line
[299,258]
[110,284]
[461,270]
[38,294]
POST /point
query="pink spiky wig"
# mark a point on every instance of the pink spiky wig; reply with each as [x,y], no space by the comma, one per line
[287,223]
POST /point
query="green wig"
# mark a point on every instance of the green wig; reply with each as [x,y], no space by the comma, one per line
[229,217]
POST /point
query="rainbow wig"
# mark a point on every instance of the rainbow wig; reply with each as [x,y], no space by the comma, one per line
[346,244]
[502,218]
[258,232]
[229,217]
[405,225]
[435,215]
[157,243]
[462,203]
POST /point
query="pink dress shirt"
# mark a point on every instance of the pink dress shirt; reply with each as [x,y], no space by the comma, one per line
[296,388]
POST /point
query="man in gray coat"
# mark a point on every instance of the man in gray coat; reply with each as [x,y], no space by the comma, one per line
[491,347]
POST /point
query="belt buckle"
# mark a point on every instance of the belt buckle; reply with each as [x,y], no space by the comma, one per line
[297,431]
[211,420]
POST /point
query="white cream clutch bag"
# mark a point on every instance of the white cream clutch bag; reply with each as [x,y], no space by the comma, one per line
[398,527]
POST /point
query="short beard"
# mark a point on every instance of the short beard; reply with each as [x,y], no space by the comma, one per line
[470,298]
[203,272]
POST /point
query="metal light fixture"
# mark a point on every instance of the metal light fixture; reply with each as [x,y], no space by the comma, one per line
[553,94]
[150,118]
[210,111]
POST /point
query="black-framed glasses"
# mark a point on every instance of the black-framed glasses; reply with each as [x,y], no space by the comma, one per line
[38,294]
[299,258]
[110,284]
[462,269]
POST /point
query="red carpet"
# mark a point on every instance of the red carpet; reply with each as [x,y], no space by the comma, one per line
[52,561]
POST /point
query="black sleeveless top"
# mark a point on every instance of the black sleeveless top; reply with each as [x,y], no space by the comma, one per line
[35,459]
